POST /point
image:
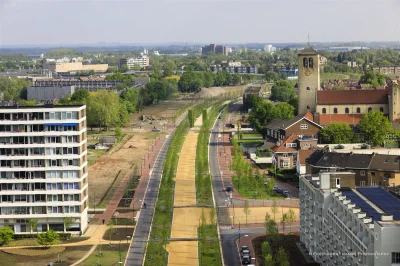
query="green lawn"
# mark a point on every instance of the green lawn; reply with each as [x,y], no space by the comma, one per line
[246,190]
[209,252]
[32,241]
[251,136]
[251,142]
[69,256]
[110,255]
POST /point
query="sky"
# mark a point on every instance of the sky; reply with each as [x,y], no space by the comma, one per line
[55,22]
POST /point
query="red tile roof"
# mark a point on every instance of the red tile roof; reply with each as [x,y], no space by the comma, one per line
[352,97]
[349,119]
[309,116]
[304,154]
[282,147]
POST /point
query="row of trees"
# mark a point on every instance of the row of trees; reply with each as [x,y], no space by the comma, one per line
[374,125]
[193,81]
[374,79]
[278,256]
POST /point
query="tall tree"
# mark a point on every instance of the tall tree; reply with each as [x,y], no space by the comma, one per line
[376,126]
[336,133]
[271,76]
[282,91]
[282,257]
[284,111]
[274,208]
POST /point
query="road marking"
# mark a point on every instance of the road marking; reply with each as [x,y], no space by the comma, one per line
[225,227]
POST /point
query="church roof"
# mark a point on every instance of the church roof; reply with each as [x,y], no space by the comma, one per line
[351,119]
[308,50]
[352,97]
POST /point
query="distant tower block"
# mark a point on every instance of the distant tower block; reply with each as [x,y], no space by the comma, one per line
[309,81]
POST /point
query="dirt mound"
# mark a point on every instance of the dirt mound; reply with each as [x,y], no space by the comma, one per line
[215,91]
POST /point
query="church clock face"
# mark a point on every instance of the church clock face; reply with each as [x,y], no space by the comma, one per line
[307,72]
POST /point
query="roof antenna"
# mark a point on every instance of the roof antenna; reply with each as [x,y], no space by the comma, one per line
[308,42]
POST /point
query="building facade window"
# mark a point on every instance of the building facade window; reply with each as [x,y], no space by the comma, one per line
[335,110]
[303,126]
[369,109]
[347,110]
[324,110]
[358,110]
[395,257]
[362,173]
[381,109]
[308,88]
[310,62]
[305,62]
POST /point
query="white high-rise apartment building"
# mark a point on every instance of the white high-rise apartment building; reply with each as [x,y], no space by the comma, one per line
[43,167]
[269,48]
[345,225]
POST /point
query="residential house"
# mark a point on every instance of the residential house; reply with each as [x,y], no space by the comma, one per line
[357,163]
[302,125]
[286,153]
[384,170]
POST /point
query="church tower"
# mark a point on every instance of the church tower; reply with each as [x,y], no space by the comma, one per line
[308,79]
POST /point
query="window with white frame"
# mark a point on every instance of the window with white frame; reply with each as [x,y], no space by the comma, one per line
[291,145]
[285,164]
[285,155]
[303,126]
[362,172]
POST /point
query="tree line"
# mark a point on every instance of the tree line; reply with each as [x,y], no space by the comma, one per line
[373,125]
[191,81]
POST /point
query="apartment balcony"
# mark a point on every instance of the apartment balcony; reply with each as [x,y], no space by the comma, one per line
[40,203]
[38,215]
[41,133]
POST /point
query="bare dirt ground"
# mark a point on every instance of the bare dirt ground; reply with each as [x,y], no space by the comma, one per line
[103,172]
[161,113]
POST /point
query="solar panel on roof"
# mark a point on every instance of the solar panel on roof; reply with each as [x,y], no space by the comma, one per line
[383,199]
[360,203]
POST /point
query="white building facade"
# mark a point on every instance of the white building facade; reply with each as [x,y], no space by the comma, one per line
[336,229]
[43,167]
[142,61]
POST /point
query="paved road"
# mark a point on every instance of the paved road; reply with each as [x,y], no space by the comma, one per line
[141,235]
[229,249]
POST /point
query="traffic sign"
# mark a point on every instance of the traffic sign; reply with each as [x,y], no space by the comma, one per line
[239,231]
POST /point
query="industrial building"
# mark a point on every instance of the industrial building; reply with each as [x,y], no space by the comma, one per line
[44,94]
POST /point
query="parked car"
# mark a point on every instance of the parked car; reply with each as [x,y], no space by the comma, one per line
[296,186]
[279,190]
[246,260]
[229,189]
[155,129]
[275,188]
[285,193]
[245,253]
[244,248]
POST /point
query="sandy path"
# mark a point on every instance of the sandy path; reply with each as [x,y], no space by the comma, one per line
[186,220]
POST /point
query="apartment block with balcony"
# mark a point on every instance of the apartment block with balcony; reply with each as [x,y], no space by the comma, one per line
[43,167]
[341,224]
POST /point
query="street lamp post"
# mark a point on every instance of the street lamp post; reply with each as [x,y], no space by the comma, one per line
[119,251]
[239,226]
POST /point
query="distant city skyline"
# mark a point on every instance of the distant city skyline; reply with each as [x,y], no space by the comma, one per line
[86,22]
